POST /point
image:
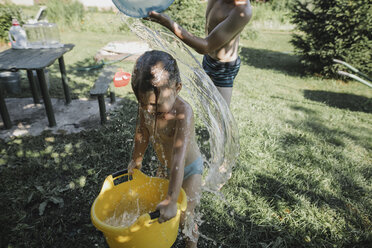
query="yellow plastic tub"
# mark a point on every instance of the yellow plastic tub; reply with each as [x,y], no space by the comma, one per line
[122,193]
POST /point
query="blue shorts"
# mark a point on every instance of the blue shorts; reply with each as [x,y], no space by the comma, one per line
[221,73]
[195,167]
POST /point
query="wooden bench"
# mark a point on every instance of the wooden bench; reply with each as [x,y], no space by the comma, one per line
[100,88]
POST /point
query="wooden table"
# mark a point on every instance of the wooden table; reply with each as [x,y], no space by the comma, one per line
[35,59]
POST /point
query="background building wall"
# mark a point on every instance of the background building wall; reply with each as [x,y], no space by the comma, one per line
[101,4]
[23,2]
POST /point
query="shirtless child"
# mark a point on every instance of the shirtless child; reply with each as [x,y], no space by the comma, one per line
[167,121]
[225,19]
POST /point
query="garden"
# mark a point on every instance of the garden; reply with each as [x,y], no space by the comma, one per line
[303,177]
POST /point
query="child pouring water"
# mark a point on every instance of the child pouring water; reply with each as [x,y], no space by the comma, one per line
[167,121]
[225,20]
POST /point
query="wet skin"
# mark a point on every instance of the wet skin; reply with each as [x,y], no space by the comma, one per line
[161,126]
[167,121]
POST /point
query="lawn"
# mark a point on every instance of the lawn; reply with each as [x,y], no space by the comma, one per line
[303,177]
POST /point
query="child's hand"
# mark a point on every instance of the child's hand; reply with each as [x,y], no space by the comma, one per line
[168,210]
[158,17]
[133,165]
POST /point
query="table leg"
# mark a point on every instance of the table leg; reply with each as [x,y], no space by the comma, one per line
[66,90]
[102,108]
[4,111]
[35,94]
[46,97]
[112,97]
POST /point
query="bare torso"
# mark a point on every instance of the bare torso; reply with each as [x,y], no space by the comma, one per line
[162,131]
[218,11]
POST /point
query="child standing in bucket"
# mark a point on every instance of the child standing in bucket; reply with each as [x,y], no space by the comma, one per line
[167,121]
[225,20]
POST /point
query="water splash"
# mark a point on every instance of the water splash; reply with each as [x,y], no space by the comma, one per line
[209,106]
[124,217]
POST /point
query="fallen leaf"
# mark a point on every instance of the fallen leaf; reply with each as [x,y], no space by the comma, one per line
[42,207]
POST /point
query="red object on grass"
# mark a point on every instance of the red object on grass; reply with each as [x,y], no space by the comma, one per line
[121,78]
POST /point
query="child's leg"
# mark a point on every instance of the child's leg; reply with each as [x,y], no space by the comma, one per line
[226,93]
[192,187]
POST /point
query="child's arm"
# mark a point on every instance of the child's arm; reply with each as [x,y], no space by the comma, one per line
[168,207]
[141,141]
[218,37]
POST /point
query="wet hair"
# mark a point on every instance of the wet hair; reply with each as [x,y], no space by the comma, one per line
[145,78]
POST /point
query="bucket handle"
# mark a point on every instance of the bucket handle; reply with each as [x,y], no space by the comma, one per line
[121,179]
[155,214]
[119,173]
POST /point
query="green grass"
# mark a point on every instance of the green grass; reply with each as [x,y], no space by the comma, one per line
[266,18]
[303,176]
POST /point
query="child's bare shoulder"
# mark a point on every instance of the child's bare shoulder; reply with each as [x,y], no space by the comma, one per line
[184,109]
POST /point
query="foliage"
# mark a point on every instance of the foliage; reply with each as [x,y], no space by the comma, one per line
[7,13]
[190,14]
[278,4]
[68,13]
[281,4]
[333,29]
[274,4]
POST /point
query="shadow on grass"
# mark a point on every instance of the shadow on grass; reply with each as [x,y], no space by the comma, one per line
[49,182]
[81,77]
[224,227]
[80,80]
[313,179]
[286,197]
[303,152]
[341,100]
[272,60]
[334,136]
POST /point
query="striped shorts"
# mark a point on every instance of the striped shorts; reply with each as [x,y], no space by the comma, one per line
[221,73]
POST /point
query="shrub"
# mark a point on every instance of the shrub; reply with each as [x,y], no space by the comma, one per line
[7,13]
[275,4]
[65,12]
[280,4]
[190,14]
[339,29]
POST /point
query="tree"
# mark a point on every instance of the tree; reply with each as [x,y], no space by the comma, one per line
[333,29]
